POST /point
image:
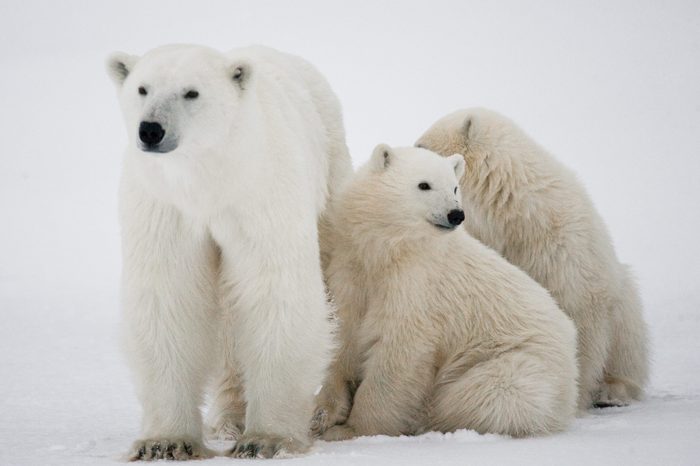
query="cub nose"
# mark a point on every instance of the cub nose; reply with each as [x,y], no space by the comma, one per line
[151,133]
[455,217]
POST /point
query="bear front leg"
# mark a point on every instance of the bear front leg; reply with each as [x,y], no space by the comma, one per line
[170,317]
[334,401]
[391,399]
[274,289]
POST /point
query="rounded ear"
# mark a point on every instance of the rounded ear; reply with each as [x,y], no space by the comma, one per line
[381,157]
[458,164]
[467,126]
[119,65]
[240,73]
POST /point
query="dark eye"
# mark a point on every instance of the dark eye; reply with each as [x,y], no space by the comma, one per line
[455,189]
[191,95]
[424,186]
[142,90]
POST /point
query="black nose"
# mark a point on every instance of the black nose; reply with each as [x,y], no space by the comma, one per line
[151,133]
[455,217]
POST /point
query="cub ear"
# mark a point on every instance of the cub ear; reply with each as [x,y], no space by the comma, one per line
[119,65]
[381,157]
[467,127]
[457,161]
[241,73]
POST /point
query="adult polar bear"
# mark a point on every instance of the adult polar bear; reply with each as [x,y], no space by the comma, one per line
[230,162]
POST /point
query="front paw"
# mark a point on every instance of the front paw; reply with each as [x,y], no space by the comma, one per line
[268,446]
[320,422]
[339,432]
[168,449]
[330,411]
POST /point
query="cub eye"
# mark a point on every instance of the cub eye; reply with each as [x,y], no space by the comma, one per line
[424,186]
[142,90]
[455,189]
[191,95]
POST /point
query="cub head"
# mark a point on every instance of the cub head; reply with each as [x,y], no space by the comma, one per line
[414,189]
[179,97]
[478,134]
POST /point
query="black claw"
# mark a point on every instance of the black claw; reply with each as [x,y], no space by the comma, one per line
[142,452]
[188,449]
[155,450]
[169,451]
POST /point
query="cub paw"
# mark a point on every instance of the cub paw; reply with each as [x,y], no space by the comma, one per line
[614,392]
[227,429]
[332,409]
[339,432]
[168,449]
[267,446]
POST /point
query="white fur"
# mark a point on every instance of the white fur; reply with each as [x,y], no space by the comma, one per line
[220,239]
[527,206]
[437,331]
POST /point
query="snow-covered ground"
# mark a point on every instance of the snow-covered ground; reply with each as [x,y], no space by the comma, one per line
[610,87]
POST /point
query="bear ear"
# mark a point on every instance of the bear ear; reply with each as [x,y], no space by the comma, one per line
[458,164]
[467,127]
[381,157]
[240,73]
[119,65]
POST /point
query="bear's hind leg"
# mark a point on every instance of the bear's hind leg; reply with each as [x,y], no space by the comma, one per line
[514,394]
[226,417]
[627,368]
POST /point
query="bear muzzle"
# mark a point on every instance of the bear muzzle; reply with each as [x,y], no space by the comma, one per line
[151,133]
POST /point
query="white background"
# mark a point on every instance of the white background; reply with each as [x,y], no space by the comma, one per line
[611,88]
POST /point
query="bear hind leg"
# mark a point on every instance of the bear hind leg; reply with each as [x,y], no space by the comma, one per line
[514,394]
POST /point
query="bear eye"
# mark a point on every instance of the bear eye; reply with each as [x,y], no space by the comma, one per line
[142,90]
[424,186]
[455,189]
[191,95]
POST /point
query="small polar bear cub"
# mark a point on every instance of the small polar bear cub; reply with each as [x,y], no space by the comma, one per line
[526,205]
[230,161]
[437,331]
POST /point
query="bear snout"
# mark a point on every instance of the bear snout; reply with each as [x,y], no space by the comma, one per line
[151,133]
[455,217]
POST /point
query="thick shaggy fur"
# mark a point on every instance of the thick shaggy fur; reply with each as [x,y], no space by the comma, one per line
[527,206]
[220,245]
[437,331]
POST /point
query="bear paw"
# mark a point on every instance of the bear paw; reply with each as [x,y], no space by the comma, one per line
[168,449]
[339,432]
[330,411]
[267,446]
[227,429]
[612,393]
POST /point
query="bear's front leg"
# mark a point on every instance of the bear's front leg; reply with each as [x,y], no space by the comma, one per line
[274,289]
[170,318]
[391,399]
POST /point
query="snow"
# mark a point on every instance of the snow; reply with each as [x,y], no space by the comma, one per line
[610,87]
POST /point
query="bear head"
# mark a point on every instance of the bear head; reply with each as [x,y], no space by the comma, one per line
[179,98]
[411,191]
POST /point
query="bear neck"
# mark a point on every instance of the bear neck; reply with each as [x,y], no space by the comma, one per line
[384,247]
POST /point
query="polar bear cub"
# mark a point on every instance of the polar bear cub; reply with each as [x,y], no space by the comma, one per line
[437,331]
[523,203]
[230,161]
